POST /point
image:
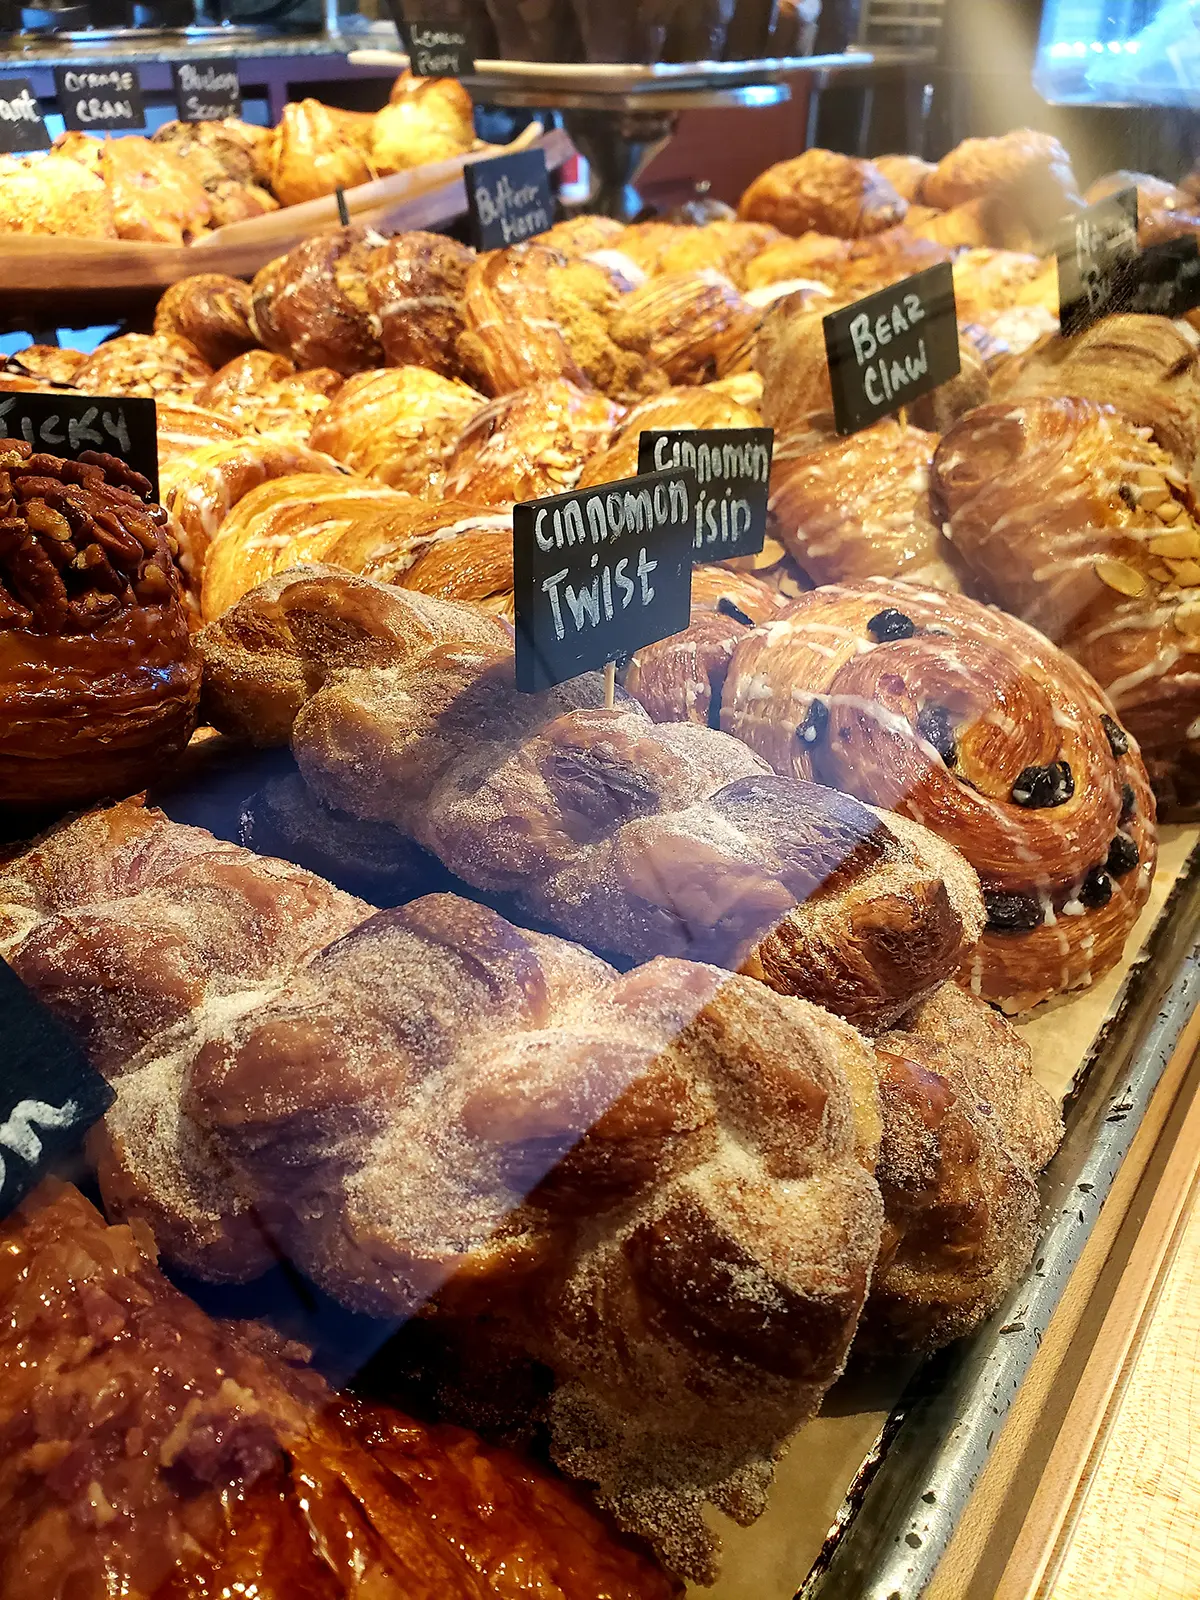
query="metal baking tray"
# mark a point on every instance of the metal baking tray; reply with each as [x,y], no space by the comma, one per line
[910,1491]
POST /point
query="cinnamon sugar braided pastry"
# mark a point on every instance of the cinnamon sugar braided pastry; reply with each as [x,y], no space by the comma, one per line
[99,683]
[1075,520]
[212,312]
[532,313]
[639,839]
[971,723]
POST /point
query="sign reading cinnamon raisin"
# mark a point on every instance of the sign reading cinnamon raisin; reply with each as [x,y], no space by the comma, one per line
[732,469]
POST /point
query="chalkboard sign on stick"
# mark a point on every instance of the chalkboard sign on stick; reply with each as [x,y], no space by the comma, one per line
[889,349]
[600,573]
[436,50]
[509,199]
[732,469]
[206,91]
[49,1094]
[95,99]
[1168,278]
[21,126]
[1098,261]
[69,425]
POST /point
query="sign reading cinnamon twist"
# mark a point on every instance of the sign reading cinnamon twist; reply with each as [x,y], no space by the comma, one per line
[968,721]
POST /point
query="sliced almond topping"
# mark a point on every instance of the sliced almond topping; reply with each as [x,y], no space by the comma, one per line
[1169,511]
[1181,546]
[1119,575]
[1162,573]
[1187,620]
[1186,573]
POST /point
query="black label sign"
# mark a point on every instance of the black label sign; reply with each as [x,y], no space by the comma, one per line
[509,199]
[21,125]
[71,424]
[435,50]
[600,573]
[1168,278]
[206,91]
[98,98]
[732,469]
[891,348]
[49,1094]
[1098,261]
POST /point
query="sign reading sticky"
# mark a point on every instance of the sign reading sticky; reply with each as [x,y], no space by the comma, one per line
[70,425]
[599,573]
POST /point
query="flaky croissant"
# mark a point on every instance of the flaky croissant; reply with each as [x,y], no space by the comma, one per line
[966,720]
[691,325]
[1030,170]
[425,120]
[825,192]
[690,407]
[1074,519]
[530,444]
[398,426]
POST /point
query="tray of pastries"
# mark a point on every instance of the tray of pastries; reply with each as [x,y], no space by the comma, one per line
[119,215]
[553,1134]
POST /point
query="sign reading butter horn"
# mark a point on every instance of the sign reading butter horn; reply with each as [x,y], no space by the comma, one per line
[890,348]
[509,199]
[599,573]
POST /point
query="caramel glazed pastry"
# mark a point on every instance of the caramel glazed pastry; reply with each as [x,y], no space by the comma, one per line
[658,1186]
[149,1451]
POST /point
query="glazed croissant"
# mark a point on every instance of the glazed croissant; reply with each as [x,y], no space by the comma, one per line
[415,286]
[531,443]
[693,326]
[1030,170]
[966,720]
[312,304]
[691,846]
[1072,517]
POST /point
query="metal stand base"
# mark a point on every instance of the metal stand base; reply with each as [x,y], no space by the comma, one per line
[618,147]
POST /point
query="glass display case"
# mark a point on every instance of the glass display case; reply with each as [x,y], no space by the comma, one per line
[599,874]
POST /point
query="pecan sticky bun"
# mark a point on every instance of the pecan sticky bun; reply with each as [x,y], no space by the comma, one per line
[99,681]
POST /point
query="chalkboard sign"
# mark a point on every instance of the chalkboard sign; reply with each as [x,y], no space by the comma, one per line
[206,91]
[21,125]
[98,98]
[70,424]
[1098,261]
[509,199]
[892,347]
[599,573]
[732,469]
[436,50]
[1168,278]
[49,1094]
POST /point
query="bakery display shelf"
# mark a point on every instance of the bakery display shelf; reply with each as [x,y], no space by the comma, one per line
[621,116]
[869,1494]
[46,282]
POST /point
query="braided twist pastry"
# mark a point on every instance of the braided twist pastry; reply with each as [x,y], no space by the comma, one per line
[639,839]
[968,721]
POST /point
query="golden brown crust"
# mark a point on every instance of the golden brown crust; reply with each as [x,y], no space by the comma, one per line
[529,444]
[184,428]
[100,680]
[824,192]
[398,426]
[1030,170]
[263,393]
[693,326]
[698,407]
[51,363]
[951,724]
[425,120]
[312,304]
[580,236]
[532,313]
[212,312]
[1073,518]
[154,196]
[906,174]
[55,195]
[154,364]
[415,286]
[727,246]
[988,280]
[313,154]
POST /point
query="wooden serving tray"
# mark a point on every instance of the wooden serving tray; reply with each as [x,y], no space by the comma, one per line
[50,282]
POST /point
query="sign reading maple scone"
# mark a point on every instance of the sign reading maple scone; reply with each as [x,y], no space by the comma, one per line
[598,573]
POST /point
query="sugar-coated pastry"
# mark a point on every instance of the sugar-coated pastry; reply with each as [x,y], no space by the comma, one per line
[1072,517]
[415,285]
[581,235]
[988,280]
[154,196]
[964,719]
[212,312]
[825,192]
[530,444]
[727,246]
[54,195]
[263,393]
[100,681]
[398,426]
